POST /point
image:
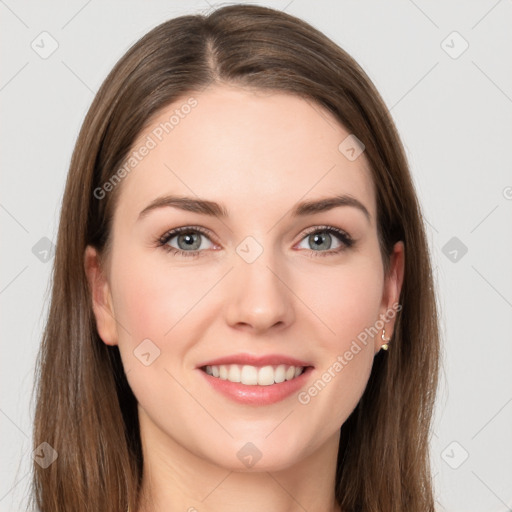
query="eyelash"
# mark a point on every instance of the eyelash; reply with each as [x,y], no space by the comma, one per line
[343,237]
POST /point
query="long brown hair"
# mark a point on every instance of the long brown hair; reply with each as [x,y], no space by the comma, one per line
[85,409]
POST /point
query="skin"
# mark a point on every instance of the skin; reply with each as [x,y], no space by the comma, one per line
[258,154]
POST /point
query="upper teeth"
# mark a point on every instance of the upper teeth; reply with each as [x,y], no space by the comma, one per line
[252,375]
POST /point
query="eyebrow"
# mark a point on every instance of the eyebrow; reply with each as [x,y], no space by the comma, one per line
[205,207]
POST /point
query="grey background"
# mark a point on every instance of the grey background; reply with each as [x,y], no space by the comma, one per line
[453,113]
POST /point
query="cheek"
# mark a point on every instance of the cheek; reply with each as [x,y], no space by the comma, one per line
[151,303]
[142,304]
[346,301]
[358,303]
[151,298]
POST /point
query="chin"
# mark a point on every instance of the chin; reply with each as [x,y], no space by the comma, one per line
[256,456]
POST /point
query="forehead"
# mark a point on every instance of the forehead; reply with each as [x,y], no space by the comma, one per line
[244,148]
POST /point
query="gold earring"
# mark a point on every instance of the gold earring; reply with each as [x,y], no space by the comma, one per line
[385,345]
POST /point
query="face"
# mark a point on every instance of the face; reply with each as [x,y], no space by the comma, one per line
[249,294]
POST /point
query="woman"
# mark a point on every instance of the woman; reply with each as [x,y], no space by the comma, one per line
[243,312]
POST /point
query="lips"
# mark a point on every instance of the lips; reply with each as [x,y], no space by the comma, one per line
[256,380]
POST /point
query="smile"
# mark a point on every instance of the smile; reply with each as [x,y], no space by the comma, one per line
[253,375]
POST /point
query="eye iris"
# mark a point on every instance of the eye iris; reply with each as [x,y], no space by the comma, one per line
[190,242]
[316,237]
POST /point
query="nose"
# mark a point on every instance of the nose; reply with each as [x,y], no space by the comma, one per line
[259,296]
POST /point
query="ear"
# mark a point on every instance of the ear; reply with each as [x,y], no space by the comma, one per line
[392,288]
[102,304]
